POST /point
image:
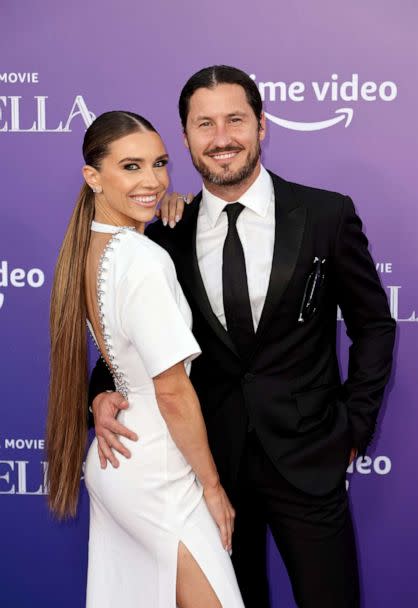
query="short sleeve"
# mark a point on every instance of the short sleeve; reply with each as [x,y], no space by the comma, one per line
[152,320]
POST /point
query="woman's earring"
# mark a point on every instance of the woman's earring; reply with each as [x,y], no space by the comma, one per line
[97,190]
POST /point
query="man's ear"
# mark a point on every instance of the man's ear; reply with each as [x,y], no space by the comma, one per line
[185,140]
[262,127]
[92,178]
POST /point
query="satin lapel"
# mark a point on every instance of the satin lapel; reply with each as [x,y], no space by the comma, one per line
[290,220]
[193,279]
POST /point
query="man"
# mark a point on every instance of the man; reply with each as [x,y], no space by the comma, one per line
[264,278]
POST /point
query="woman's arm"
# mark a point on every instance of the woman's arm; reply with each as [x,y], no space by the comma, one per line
[180,408]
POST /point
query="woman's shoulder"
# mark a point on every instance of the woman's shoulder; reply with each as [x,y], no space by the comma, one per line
[139,254]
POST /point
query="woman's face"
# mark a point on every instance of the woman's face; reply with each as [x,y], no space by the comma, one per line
[133,178]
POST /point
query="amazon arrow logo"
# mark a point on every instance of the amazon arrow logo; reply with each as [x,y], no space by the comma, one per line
[344,114]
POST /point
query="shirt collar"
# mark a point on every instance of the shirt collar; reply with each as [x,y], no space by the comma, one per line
[257,198]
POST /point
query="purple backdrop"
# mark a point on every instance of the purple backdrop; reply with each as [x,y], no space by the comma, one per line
[62,62]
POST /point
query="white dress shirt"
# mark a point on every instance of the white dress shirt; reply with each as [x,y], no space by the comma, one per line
[256,230]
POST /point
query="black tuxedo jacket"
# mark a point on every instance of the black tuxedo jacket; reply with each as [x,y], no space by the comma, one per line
[289,387]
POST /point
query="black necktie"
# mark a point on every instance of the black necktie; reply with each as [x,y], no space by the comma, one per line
[239,320]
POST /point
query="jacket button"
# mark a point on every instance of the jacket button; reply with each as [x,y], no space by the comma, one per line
[248,377]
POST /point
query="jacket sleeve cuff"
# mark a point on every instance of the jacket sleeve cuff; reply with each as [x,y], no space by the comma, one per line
[100,381]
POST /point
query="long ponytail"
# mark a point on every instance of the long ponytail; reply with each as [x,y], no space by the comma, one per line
[66,434]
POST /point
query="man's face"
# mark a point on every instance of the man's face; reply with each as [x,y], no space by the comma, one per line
[223,135]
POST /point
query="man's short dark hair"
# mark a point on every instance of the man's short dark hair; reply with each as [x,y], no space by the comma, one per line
[209,78]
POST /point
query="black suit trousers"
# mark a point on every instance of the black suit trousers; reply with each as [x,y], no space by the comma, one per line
[313,534]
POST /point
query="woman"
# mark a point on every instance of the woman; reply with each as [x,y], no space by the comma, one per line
[153,535]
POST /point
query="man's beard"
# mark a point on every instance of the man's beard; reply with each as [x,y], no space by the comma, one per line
[228,178]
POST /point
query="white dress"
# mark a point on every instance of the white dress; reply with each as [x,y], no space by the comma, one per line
[140,511]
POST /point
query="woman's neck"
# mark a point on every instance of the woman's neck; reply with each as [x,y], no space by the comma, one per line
[104,216]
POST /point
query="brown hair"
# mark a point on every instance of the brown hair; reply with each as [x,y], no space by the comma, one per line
[66,432]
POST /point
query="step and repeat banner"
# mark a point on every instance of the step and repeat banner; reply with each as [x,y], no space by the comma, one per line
[340,93]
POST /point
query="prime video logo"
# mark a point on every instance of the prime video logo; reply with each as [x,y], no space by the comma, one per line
[333,90]
[18,277]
